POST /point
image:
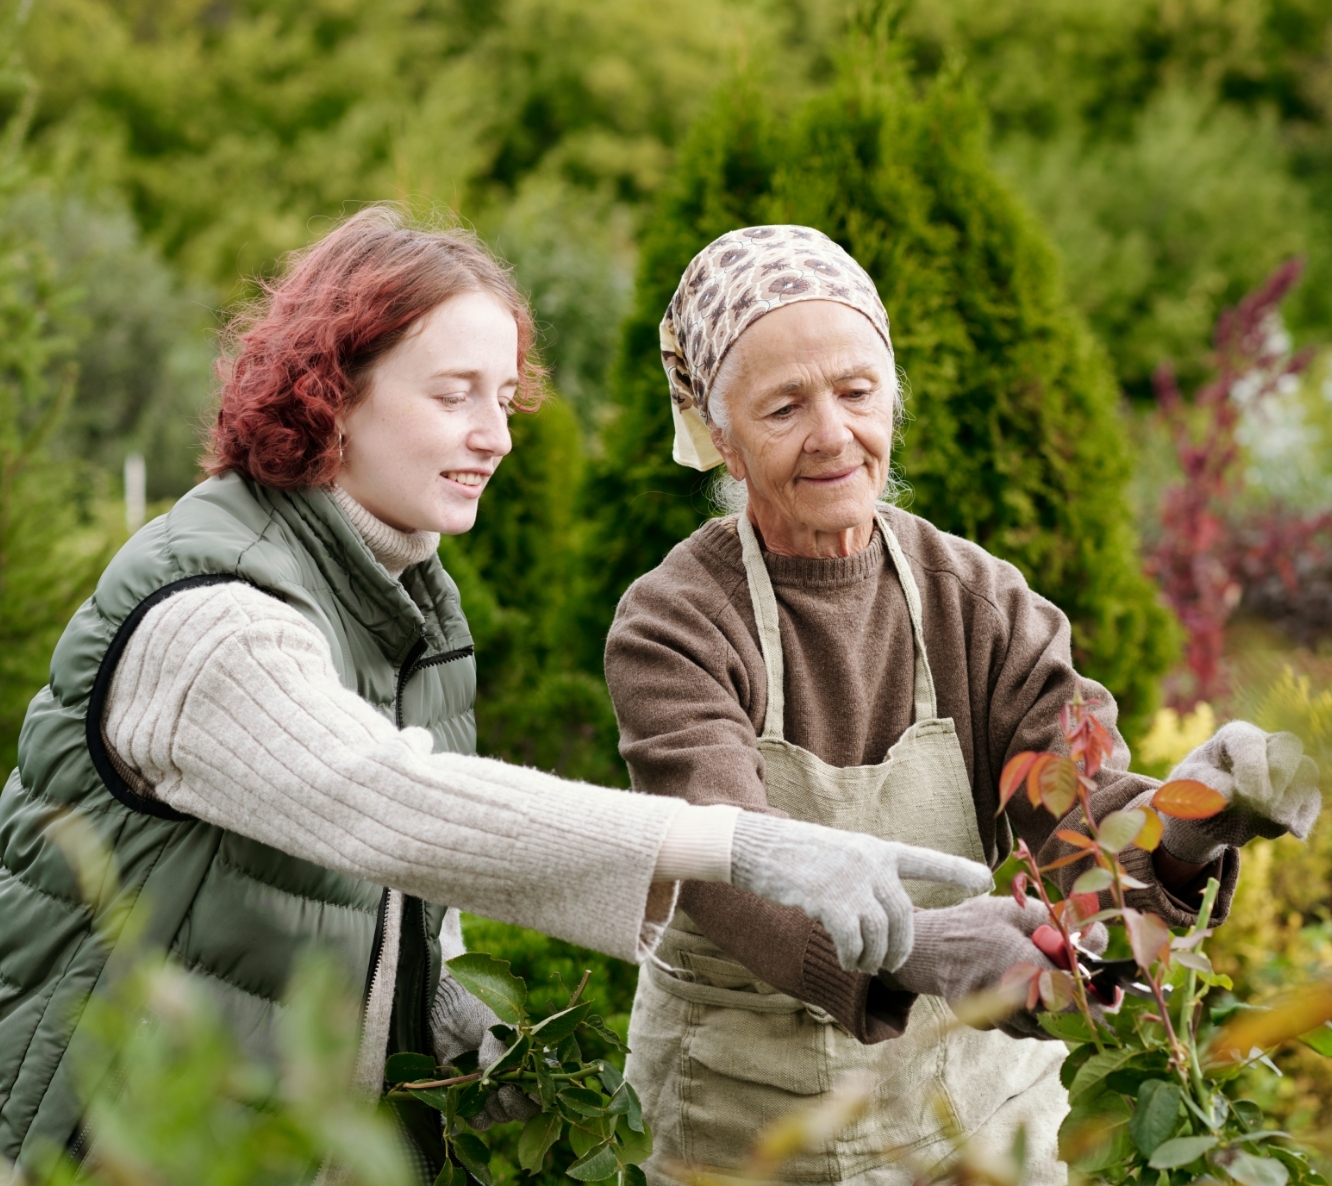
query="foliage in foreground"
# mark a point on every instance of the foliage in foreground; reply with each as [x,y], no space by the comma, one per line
[1013,438]
[591,1105]
[1152,1074]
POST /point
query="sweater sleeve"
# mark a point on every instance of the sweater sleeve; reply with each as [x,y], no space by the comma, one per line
[702,747]
[227,703]
[1032,679]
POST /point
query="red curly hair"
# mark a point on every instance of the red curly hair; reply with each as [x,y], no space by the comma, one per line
[297,358]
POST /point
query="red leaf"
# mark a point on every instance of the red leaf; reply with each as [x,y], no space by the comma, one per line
[1075,838]
[1057,780]
[1015,771]
[1184,798]
[1079,908]
[1149,937]
[1034,777]
[1019,889]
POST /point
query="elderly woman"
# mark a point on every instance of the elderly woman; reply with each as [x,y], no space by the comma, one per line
[265,712]
[825,656]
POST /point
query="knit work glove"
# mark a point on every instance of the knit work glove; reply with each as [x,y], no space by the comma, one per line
[458,1023]
[848,881]
[965,949]
[1271,786]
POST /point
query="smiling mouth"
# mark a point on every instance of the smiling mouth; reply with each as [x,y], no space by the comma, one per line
[829,478]
[466,477]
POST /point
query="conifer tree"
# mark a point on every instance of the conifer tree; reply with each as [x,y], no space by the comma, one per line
[1012,439]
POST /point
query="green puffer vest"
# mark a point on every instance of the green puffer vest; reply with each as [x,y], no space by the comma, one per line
[233,912]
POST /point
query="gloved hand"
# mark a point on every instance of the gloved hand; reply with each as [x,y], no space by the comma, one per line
[967,948]
[460,1022]
[848,881]
[1271,786]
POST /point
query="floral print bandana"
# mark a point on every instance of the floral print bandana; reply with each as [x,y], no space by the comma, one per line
[727,287]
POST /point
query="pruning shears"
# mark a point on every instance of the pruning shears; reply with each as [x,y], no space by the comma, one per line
[1109,979]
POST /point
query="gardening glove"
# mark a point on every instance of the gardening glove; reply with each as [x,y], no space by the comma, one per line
[966,949]
[1269,782]
[848,881]
[460,1022]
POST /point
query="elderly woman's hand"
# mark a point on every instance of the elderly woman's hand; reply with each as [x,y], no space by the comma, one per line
[848,881]
[966,949]
[1271,787]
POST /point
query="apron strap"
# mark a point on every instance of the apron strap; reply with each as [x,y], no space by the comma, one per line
[926,704]
[769,632]
[770,638]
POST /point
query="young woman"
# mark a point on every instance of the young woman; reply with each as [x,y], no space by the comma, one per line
[265,712]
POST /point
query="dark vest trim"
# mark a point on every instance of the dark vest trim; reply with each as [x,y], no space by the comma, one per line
[101,759]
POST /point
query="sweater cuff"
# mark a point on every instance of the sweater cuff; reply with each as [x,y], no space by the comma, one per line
[870,1011]
[698,845]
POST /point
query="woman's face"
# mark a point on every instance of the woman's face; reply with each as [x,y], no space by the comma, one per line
[808,391]
[433,424]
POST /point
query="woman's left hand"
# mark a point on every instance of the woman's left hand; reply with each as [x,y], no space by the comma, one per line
[966,949]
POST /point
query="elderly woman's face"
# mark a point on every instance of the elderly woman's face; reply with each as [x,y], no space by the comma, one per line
[808,404]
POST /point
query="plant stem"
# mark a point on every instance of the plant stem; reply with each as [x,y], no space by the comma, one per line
[1187,1011]
[578,992]
[503,1077]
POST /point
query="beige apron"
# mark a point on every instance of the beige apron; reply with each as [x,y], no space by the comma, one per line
[718,1054]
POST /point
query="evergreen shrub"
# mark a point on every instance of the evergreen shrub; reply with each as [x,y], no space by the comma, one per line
[1013,437]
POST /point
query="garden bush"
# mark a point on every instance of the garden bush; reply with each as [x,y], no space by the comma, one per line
[1012,438]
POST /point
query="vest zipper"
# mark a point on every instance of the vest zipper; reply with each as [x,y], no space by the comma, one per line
[414,663]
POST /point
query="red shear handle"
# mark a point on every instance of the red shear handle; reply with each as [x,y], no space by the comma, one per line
[1051,945]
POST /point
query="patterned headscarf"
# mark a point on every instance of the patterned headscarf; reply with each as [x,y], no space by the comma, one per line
[727,287]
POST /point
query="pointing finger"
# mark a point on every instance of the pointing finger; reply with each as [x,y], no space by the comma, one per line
[924,864]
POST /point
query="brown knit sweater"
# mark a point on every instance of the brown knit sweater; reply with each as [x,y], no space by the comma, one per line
[690,691]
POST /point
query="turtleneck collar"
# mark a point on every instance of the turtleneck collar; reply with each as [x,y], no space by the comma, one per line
[396,550]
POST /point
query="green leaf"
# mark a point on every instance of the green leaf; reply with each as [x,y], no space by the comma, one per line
[554,1029]
[633,1176]
[472,1152]
[451,1175]
[472,1100]
[609,1074]
[1093,881]
[585,1134]
[437,1097]
[409,1068]
[635,1113]
[570,1051]
[1073,1063]
[490,980]
[538,1135]
[1094,1135]
[1251,1170]
[1097,1068]
[1156,1116]
[1320,1039]
[545,1085]
[582,1102]
[511,1058]
[594,1165]
[1249,1114]
[1071,1027]
[599,1027]
[635,1146]
[1171,1155]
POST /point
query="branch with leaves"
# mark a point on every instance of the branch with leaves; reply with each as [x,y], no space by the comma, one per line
[1151,1072]
[592,1102]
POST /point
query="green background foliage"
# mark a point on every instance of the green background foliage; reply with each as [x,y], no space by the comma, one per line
[1052,196]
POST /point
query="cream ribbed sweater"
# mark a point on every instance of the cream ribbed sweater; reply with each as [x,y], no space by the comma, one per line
[227,703]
